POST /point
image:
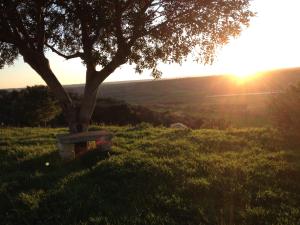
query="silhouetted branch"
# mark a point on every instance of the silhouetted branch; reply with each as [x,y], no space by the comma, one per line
[75,55]
[15,19]
[40,28]
[118,24]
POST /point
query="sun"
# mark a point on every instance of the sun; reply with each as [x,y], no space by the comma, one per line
[242,75]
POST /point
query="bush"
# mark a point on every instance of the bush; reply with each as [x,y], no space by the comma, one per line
[112,111]
[214,123]
[32,106]
[285,111]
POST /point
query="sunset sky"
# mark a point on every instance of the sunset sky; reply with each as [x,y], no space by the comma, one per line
[272,41]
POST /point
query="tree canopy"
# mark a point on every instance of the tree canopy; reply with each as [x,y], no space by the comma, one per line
[105,34]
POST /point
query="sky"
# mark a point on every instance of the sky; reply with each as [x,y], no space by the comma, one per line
[271,41]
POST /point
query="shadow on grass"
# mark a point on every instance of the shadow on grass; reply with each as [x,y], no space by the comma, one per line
[116,192]
[21,181]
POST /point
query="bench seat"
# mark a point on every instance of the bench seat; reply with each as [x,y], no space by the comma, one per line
[66,143]
[83,137]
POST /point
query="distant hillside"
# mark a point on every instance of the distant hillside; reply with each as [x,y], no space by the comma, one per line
[215,98]
[195,88]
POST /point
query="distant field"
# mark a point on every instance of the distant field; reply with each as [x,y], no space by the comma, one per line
[189,89]
[223,97]
[211,98]
[153,176]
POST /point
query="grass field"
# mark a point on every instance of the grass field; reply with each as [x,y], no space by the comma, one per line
[152,176]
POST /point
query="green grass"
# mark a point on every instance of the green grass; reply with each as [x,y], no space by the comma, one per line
[152,176]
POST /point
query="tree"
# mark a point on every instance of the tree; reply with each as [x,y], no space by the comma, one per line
[109,33]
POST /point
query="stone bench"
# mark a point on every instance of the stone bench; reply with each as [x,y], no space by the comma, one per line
[100,140]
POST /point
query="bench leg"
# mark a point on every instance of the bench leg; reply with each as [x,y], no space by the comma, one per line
[80,148]
[66,151]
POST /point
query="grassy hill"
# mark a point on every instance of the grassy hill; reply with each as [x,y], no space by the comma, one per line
[152,176]
[241,104]
[194,88]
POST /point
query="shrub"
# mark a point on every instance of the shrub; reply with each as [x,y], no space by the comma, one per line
[112,111]
[285,111]
[31,106]
[215,123]
[35,106]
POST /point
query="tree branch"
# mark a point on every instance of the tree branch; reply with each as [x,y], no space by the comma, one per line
[6,35]
[118,24]
[40,28]
[75,55]
[183,14]
[86,41]
[138,23]
[15,18]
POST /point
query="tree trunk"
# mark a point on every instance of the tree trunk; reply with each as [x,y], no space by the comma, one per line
[77,126]
[89,99]
[41,65]
[71,112]
[77,116]
[85,112]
